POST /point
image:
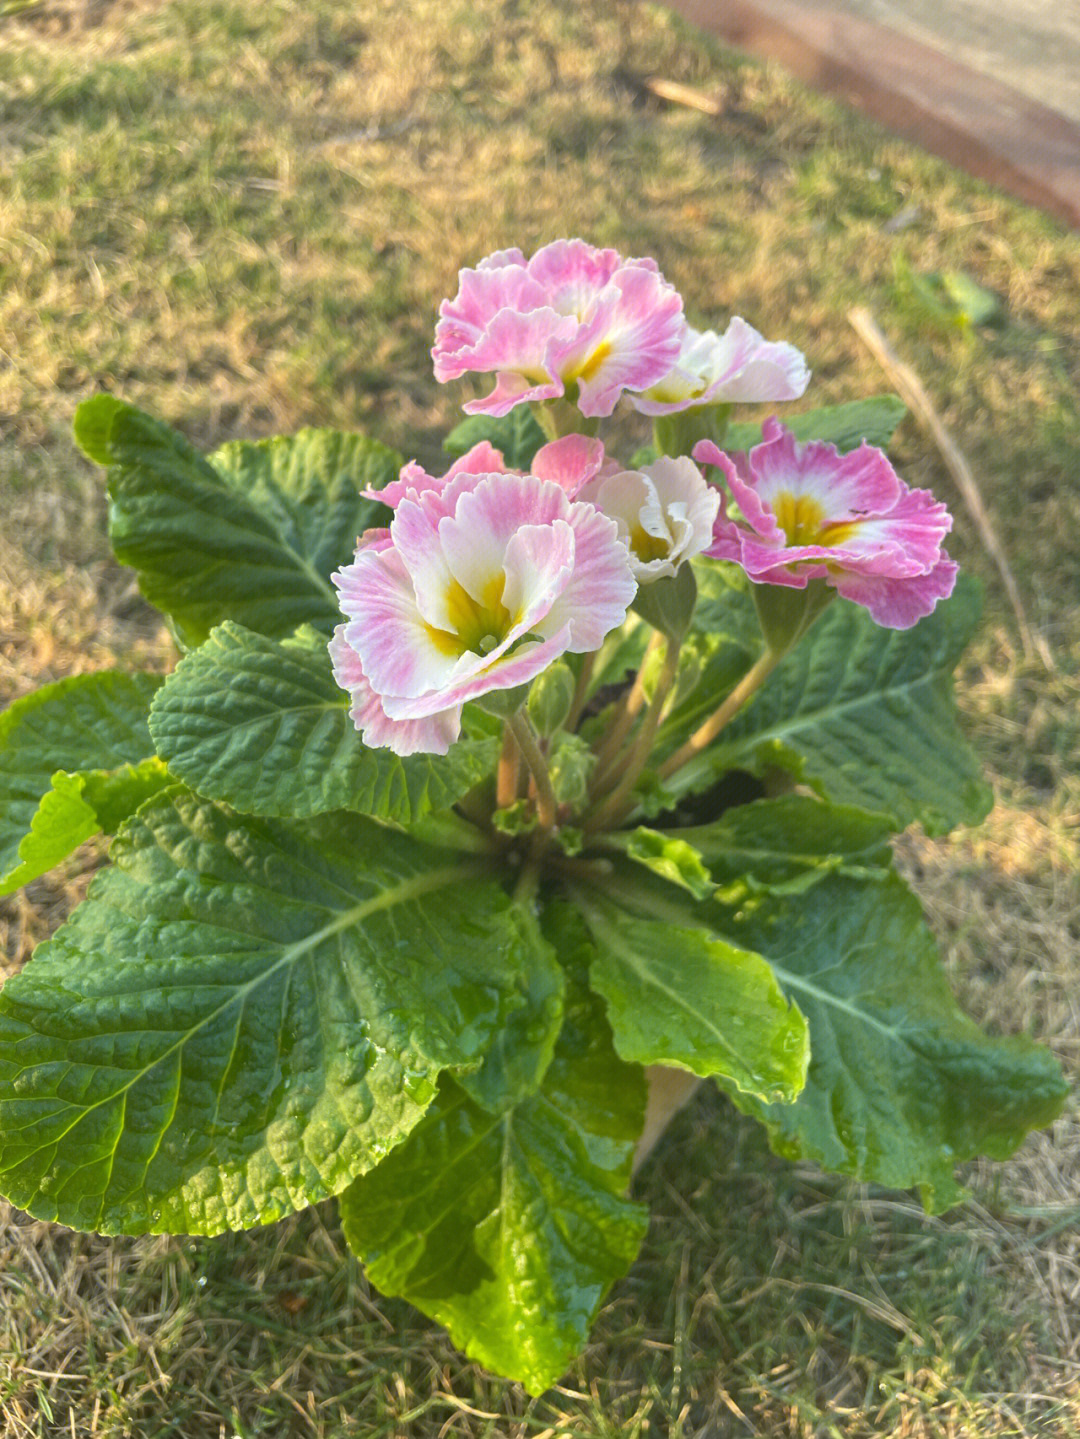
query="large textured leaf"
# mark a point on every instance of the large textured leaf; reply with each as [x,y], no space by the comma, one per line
[517,436]
[865,715]
[261,724]
[785,845]
[75,757]
[509,1229]
[677,994]
[845,426]
[244,1016]
[902,1086]
[518,1057]
[250,534]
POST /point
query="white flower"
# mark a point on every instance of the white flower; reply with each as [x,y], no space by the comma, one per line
[665,513]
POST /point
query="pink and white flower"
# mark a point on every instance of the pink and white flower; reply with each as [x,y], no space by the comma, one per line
[809,513]
[665,513]
[739,365]
[476,586]
[570,319]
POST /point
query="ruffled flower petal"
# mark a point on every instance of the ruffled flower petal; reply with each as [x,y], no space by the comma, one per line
[413,479]
[602,586]
[432,734]
[738,366]
[900,603]
[570,462]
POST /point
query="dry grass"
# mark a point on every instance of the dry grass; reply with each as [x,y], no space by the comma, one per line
[243,216]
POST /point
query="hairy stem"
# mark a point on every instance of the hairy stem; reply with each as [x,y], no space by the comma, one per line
[528,742]
[618,803]
[625,714]
[581,691]
[528,880]
[704,735]
[506,776]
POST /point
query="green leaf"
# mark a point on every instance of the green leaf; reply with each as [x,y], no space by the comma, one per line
[261,724]
[508,1229]
[517,436]
[521,1052]
[290,476]
[571,765]
[250,534]
[58,747]
[93,425]
[79,806]
[677,994]
[952,298]
[725,605]
[785,845]
[667,854]
[902,1086]
[245,1015]
[551,695]
[865,715]
[974,305]
[845,426]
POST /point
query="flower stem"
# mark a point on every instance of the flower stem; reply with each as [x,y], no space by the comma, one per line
[528,881]
[704,735]
[581,692]
[618,804]
[562,417]
[506,777]
[625,714]
[528,743]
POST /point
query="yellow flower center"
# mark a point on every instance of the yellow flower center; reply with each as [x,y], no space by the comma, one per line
[802,519]
[590,365]
[477,625]
[648,547]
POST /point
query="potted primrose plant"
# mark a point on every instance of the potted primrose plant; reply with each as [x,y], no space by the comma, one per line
[427,890]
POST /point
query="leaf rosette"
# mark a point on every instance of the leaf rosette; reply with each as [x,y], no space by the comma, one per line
[382,922]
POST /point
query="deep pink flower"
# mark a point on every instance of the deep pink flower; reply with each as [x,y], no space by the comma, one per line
[477,585]
[739,365]
[809,512]
[572,317]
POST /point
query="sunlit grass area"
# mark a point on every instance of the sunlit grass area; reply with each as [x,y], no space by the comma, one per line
[243,217]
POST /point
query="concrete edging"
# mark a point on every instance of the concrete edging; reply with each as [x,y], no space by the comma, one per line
[976,122]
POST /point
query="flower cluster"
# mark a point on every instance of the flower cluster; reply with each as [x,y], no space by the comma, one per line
[486,575]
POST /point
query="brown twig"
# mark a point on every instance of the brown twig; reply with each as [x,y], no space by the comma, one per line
[911,391]
[679,94]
